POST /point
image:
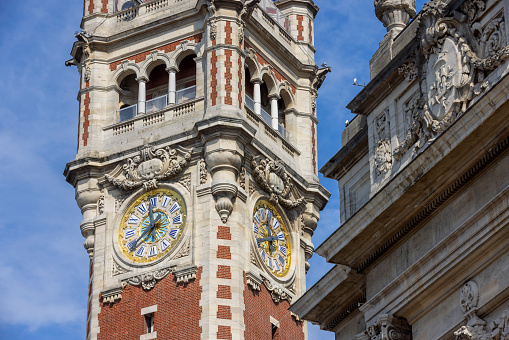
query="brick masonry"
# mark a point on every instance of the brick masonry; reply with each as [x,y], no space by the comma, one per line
[86,122]
[224,292]
[313,141]
[259,308]
[310,29]
[300,27]
[89,305]
[178,306]
[91,7]
[104,8]
[223,252]
[224,332]
[213,82]
[228,76]
[240,81]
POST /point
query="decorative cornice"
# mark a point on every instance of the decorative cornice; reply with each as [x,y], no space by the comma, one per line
[186,274]
[148,280]
[436,203]
[345,313]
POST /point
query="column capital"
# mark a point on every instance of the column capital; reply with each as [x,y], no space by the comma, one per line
[142,79]
[394,14]
[172,69]
[274,96]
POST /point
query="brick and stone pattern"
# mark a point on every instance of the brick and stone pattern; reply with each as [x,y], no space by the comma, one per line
[177,315]
[257,317]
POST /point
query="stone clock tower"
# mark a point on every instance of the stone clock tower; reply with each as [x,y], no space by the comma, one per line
[196,169]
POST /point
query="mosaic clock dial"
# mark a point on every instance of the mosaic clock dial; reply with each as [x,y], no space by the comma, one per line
[152,225]
[271,238]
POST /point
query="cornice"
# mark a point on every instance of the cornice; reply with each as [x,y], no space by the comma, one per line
[451,153]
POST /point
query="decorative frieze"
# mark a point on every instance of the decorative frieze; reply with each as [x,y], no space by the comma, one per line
[383,153]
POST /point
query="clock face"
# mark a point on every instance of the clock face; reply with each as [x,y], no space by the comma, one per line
[152,225]
[272,238]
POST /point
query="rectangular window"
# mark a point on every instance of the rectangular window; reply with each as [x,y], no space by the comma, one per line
[149,318]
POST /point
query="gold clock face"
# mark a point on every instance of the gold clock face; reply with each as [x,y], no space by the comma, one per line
[152,225]
[272,239]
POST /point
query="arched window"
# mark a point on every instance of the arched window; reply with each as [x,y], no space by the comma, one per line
[186,80]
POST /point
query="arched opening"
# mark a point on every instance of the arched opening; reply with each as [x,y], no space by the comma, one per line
[249,87]
[281,112]
[157,89]
[128,97]
[186,80]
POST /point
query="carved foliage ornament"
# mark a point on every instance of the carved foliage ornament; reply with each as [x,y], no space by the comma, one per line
[387,327]
[149,167]
[452,72]
[271,176]
[148,280]
[476,328]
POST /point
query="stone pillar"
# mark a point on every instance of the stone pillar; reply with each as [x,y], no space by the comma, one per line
[172,85]
[394,14]
[142,94]
[274,112]
[257,97]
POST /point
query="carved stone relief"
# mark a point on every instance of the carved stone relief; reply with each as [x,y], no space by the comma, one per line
[100,205]
[276,293]
[149,279]
[185,181]
[185,275]
[242,178]
[452,68]
[271,176]
[476,328]
[387,327]
[203,172]
[382,154]
[184,251]
[116,269]
[212,20]
[149,167]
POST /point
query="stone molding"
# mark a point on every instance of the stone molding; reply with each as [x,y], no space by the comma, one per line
[112,296]
[387,327]
[149,168]
[277,293]
[186,274]
[253,281]
[476,328]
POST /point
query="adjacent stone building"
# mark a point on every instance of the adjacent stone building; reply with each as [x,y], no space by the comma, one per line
[422,251]
[196,169]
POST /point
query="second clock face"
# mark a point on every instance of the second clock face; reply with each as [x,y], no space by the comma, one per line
[152,225]
[272,239]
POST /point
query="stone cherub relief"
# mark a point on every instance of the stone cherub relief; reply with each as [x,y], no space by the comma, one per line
[383,159]
[150,167]
[272,178]
[456,55]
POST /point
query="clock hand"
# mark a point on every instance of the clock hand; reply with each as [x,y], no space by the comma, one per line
[150,212]
[133,244]
[153,228]
[266,239]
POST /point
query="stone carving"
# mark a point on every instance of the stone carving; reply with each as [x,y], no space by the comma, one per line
[213,19]
[82,59]
[185,275]
[149,167]
[203,172]
[253,281]
[184,251]
[112,296]
[242,178]
[89,245]
[415,127]
[186,182]
[271,176]
[476,328]
[244,14]
[409,70]
[394,14]
[276,293]
[254,260]
[119,200]
[383,155]
[451,73]
[116,269]
[387,327]
[251,188]
[148,280]
[100,205]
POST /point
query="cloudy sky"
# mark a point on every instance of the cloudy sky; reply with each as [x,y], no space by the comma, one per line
[43,274]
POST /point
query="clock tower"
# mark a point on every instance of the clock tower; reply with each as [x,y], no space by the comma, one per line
[196,167]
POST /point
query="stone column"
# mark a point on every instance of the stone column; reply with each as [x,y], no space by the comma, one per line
[142,94]
[274,112]
[394,14]
[257,97]
[172,85]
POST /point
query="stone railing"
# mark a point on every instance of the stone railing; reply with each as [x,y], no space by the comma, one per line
[150,7]
[166,114]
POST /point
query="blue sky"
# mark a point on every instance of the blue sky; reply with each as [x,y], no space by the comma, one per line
[43,274]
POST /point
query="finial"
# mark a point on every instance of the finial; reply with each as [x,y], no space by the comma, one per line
[394,14]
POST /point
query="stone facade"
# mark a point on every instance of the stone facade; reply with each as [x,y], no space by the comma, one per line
[216,101]
[422,250]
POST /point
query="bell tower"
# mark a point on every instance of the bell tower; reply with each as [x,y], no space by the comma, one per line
[196,167]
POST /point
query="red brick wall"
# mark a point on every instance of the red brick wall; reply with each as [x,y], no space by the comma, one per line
[224,332]
[259,308]
[300,27]
[89,305]
[104,9]
[213,82]
[91,7]
[228,76]
[313,140]
[310,28]
[177,317]
[240,81]
[86,122]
